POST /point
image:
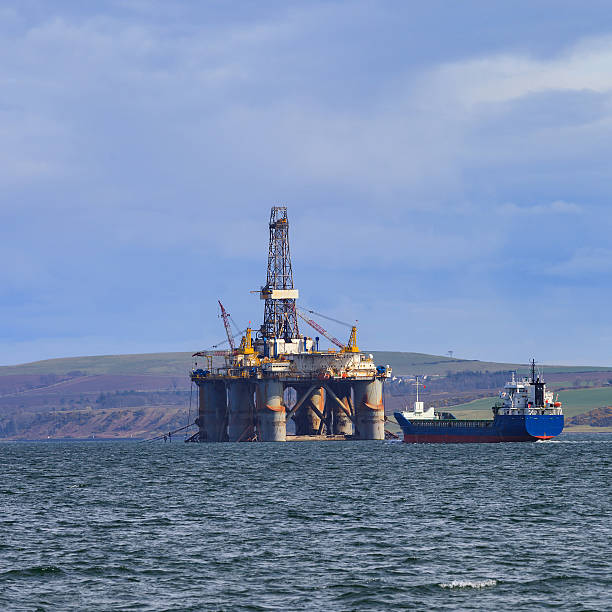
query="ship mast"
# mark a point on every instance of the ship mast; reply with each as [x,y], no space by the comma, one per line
[417,384]
[539,387]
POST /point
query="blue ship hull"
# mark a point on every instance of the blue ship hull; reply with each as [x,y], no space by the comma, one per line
[503,428]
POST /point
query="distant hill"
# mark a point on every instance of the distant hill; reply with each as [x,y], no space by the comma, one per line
[179,364]
[407,364]
[126,396]
[174,364]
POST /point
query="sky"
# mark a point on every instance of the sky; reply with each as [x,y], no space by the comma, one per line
[447,168]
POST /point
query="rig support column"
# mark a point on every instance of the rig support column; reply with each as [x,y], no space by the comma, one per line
[307,420]
[201,421]
[341,422]
[308,417]
[369,410]
[302,416]
[271,423]
[240,415]
[317,401]
[215,411]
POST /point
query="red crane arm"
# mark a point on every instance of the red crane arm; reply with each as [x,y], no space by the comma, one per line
[228,330]
[321,330]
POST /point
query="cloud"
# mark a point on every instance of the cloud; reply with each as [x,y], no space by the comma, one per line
[233,92]
[502,77]
[585,263]
[141,146]
[558,207]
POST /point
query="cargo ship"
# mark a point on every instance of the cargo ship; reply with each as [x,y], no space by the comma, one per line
[525,412]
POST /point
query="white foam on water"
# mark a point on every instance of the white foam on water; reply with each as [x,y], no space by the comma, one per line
[468,584]
[591,441]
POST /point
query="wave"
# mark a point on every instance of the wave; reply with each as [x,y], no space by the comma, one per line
[38,570]
[468,584]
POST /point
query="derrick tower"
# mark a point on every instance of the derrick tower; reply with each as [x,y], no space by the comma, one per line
[280,318]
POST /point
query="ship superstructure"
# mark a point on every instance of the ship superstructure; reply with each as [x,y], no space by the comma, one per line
[527,396]
[419,412]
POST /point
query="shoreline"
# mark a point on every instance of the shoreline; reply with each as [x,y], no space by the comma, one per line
[578,429]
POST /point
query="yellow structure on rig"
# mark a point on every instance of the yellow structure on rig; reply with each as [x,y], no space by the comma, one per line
[246,345]
[352,347]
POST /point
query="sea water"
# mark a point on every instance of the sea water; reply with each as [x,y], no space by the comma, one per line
[306,526]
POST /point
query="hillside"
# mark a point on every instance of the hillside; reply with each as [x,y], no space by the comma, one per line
[178,364]
[169,364]
[409,364]
[599,417]
[144,395]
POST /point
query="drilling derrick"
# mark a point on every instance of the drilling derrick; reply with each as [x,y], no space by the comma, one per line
[280,318]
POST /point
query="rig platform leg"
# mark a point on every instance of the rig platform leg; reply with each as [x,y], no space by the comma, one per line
[317,401]
[240,415]
[302,415]
[271,423]
[215,411]
[369,410]
[201,420]
[307,420]
[341,422]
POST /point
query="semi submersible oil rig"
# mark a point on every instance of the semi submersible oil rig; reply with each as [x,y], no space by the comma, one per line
[337,392]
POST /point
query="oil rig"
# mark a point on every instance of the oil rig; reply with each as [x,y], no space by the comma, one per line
[337,393]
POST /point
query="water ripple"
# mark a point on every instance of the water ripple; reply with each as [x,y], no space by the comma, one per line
[333,526]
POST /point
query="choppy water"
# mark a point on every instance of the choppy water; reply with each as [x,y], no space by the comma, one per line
[306,526]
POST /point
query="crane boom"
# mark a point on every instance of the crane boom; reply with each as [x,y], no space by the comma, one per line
[225,316]
[212,354]
[329,318]
[321,330]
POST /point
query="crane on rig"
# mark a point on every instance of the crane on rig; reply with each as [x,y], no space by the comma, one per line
[320,329]
[213,351]
[228,330]
[350,347]
[213,354]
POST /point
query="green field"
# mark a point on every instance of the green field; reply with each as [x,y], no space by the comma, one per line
[403,364]
[575,401]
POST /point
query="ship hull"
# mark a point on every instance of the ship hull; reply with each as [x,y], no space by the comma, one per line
[503,428]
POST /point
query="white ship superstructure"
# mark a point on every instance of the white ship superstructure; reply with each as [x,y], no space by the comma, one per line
[527,396]
[419,412]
